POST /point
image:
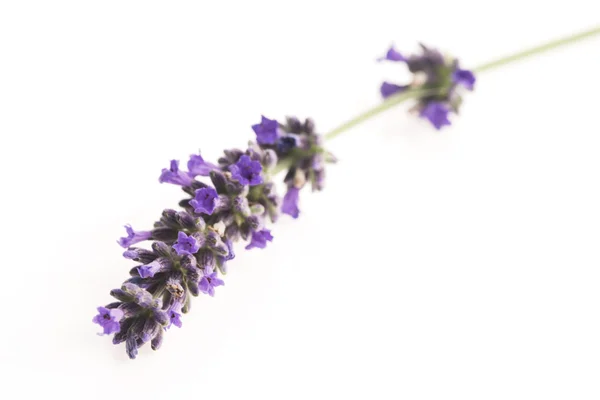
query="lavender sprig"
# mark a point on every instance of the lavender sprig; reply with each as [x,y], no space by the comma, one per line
[192,246]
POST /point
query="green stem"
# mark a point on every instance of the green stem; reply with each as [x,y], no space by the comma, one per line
[539,49]
[411,94]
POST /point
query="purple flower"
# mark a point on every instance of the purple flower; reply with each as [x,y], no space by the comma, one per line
[436,113]
[287,143]
[205,200]
[393,55]
[133,237]
[464,77]
[197,166]
[267,131]
[290,202]
[186,244]
[131,254]
[175,176]
[209,281]
[108,319]
[148,271]
[388,89]
[246,171]
[174,313]
[259,239]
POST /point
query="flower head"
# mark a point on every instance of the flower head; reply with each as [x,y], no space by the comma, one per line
[290,202]
[108,319]
[205,200]
[437,113]
[175,176]
[259,239]
[267,131]
[133,237]
[186,244]
[437,80]
[209,281]
[246,171]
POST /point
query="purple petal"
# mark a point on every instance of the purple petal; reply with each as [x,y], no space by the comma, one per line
[388,89]
[464,77]
[393,55]
[290,202]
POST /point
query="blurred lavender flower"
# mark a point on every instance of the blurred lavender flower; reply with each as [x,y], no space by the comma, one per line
[439,77]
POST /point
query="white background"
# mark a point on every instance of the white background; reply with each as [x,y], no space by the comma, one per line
[460,264]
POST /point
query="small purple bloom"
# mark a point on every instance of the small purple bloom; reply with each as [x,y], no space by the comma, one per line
[186,244]
[246,171]
[393,55]
[197,166]
[175,176]
[209,281]
[464,77]
[387,89]
[205,200]
[290,202]
[437,113]
[148,271]
[133,237]
[267,131]
[131,254]
[259,239]
[174,313]
[287,143]
[108,319]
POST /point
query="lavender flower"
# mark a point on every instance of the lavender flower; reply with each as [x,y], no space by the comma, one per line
[174,313]
[290,202]
[438,77]
[193,246]
[464,77]
[197,166]
[259,239]
[186,244]
[246,171]
[175,176]
[108,319]
[205,200]
[209,281]
[133,237]
[393,55]
[266,131]
[148,271]
[437,113]
[388,89]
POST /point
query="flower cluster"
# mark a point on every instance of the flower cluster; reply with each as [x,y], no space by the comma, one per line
[297,141]
[440,77]
[229,201]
